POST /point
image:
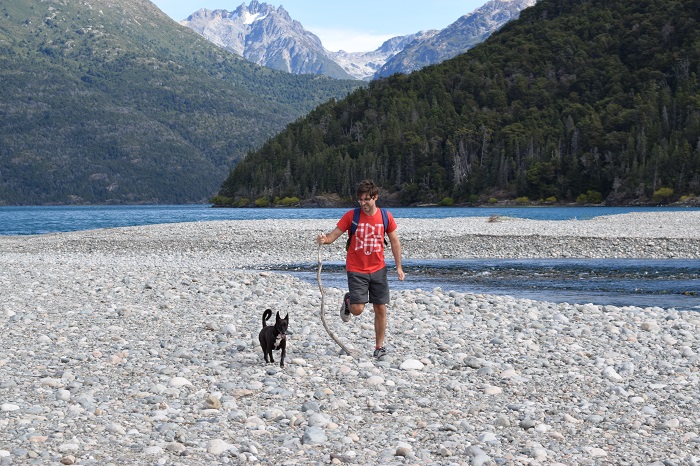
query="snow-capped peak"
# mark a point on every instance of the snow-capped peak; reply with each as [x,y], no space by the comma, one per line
[249,19]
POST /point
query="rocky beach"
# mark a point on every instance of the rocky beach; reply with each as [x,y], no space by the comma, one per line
[139,346]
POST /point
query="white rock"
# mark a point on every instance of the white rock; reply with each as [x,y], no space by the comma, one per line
[411,364]
[610,374]
[218,446]
[650,326]
[178,382]
[492,390]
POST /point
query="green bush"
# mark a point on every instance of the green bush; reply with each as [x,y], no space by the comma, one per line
[551,200]
[522,200]
[222,201]
[594,197]
[243,202]
[493,200]
[591,197]
[288,201]
[446,202]
[262,202]
[662,195]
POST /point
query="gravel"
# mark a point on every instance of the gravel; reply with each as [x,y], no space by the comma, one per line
[139,346]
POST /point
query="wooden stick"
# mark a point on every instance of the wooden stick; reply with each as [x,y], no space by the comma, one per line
[323,314]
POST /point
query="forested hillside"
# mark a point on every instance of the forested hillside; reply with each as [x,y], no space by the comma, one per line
[113,102]
[577,100]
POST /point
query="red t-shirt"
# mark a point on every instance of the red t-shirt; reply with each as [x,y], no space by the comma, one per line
[366,251]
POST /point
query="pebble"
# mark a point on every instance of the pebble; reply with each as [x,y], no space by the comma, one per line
[147,353]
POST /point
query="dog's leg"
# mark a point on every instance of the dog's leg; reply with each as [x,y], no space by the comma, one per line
[284,352]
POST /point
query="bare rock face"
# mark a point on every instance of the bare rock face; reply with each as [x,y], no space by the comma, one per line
[267,36]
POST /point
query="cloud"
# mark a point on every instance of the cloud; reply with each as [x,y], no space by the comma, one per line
[349,40]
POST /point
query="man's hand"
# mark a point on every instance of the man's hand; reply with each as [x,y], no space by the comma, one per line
[399,271]
[321,238]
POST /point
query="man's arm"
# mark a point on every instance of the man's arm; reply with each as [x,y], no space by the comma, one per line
[330,237]
[396,251]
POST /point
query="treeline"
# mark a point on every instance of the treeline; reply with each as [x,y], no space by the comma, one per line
[594,98]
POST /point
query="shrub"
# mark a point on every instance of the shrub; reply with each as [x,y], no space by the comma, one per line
[522,200]
[446,202]
[243,202]
[662,195]
[551,200]
[591,197]
[222,201]
[594,197]
[262,202]
[288,201]
[492,200]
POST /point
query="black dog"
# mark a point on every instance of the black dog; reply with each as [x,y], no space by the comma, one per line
[274,337]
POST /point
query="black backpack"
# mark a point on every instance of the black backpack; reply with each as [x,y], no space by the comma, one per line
[356,220]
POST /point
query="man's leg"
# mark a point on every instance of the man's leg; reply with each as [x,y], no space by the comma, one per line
[356,309]
[379,323]
[357,286]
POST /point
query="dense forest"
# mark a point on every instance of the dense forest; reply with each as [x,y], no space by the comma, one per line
[578,100]
[114,102]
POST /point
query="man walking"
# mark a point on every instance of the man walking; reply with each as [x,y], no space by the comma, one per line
[364,263]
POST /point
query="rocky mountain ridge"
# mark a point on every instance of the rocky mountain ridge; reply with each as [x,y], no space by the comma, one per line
[268,36]
[468,31]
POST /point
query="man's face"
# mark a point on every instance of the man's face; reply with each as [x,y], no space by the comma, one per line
[367,203]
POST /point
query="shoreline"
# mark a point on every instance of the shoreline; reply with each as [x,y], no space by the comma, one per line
[659,235]
[139,345]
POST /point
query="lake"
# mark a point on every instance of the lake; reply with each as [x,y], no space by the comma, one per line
[32,220]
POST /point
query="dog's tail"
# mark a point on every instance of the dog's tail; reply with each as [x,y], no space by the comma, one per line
[266,315]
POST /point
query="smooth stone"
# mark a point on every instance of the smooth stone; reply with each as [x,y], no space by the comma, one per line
[411,364]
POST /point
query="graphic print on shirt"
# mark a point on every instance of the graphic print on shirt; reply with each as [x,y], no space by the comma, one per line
[369,237]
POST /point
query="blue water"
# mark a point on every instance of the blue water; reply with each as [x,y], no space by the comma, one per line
[32,220]
[619,282]
[663,283]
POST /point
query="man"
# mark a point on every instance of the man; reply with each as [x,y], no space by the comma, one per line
[364,263]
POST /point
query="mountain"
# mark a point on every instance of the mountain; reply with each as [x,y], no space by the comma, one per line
[456,38]
[575,101]
[365,65]
[267,36]
[113,102]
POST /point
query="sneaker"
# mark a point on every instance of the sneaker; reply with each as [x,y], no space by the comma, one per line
[379,352]
[345,308]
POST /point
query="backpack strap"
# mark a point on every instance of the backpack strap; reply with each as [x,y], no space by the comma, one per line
[353,227]
[356,220]
[385,221]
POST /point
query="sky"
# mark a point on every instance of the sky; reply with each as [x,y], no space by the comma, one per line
[350,25]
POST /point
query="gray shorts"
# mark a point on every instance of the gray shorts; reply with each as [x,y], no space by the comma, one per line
[369,287]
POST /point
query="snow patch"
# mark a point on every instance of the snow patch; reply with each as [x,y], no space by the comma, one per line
[250,19]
